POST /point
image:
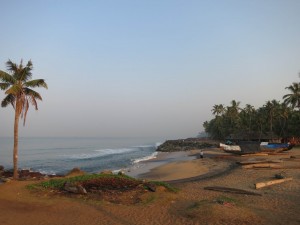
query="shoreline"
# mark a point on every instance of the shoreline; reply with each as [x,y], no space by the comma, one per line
[192,204]
[180,166]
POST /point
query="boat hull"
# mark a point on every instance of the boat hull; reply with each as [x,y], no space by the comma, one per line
[252,147]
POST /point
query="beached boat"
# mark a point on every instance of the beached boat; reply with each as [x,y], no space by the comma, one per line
[275,147]
[230,148]
[251,147]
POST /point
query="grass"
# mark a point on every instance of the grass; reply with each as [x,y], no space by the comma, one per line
[103,180]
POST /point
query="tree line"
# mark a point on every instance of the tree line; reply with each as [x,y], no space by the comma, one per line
[274,118]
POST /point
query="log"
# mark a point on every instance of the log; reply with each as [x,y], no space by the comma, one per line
[256,154]
[262,165]
[278,153]
[271,182]
[231,190]
[257,162]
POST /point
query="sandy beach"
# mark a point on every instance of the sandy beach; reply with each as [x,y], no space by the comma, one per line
[278,204]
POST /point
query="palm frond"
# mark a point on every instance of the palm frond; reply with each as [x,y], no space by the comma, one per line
[14,90]
[11,67]
[4,86]
[33,101]
[9,99]
[32,94]
[5,77]
[36,83]
[25,73]
[25,108]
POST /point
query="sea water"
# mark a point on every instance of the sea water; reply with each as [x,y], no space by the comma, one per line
[60,155]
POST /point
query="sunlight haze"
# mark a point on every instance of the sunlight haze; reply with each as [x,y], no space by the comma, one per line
[147,68]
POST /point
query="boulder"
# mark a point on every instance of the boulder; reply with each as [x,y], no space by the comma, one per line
[121,173]
[185,145]
[150,187]
[27,174]
[74,188]
[1,168]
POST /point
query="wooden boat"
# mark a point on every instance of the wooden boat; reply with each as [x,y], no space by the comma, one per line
[252,147]
[275,147]
[231,148]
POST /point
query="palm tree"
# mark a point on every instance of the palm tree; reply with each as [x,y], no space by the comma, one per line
[293,98]
[232,113]
[247,114]
[218,109]
[17,86]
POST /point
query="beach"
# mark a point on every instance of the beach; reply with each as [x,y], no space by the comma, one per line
[192,204]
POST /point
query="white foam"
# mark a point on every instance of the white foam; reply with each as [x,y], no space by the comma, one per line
[102,152]
[145,158]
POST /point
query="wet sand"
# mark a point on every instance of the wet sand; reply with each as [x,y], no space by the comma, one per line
[171,166]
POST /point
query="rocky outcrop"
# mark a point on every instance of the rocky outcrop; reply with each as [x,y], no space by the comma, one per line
[27,174]
[74,188]
[185,145]
[24,174]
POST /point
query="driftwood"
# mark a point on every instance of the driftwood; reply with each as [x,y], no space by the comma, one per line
[256,154]
[262,165]
[257,162]
[278,153]
[291,159]
[231,190]
[271,182]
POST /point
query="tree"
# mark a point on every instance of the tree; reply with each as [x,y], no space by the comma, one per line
[293,98]
[17,84]
[218,110]
[232,113]
[272,109]
[246,116]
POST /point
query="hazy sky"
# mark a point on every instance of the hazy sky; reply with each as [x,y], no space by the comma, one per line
[151,68]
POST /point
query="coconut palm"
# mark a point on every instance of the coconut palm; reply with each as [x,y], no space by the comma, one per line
[293,98]
[218,109]
[271,108]
[17,84]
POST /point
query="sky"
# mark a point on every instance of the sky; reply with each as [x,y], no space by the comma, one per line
[154,68]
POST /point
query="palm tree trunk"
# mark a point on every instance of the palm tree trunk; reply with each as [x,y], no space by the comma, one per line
[16,141]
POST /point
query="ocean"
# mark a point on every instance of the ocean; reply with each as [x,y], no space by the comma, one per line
[60,155]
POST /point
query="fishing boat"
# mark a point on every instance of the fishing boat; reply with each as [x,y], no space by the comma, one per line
[251,147]
[275,147]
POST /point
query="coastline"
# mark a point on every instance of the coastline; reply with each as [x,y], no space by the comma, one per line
[192,204]
[173,166]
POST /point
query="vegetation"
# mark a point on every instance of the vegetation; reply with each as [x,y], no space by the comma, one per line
[17,84]
[273,118]
[99,181]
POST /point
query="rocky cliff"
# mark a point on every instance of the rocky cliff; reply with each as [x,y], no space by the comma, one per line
[186,144]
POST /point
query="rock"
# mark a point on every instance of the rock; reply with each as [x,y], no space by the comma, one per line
[27,174]
[4,180]
[151,187]
[280,175]
[74,188]
[1,168]
[185,145]
[121,173]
